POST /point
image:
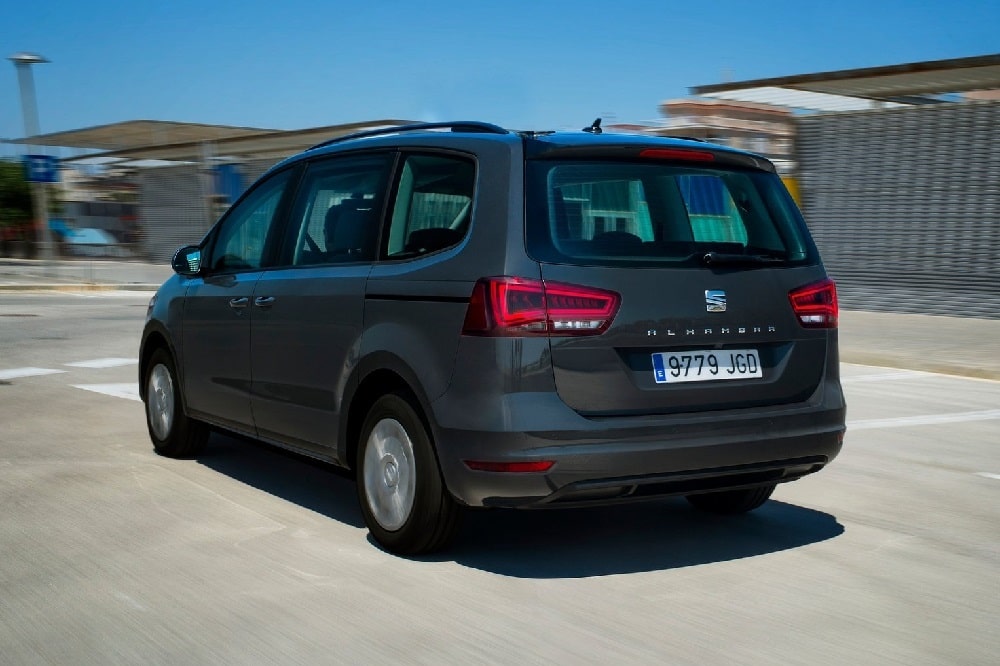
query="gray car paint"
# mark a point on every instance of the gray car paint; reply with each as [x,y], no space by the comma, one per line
[304,347]
[216,348]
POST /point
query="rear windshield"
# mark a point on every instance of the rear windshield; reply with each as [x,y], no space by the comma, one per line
[613,213]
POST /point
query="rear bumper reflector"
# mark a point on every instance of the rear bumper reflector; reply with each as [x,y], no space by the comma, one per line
[517,467]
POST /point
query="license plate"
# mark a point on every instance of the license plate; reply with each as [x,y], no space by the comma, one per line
[706,365]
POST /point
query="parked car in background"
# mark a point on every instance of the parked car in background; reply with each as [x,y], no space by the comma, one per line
[467,316]
[92,243]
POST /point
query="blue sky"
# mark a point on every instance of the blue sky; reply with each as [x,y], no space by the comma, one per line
[289,64]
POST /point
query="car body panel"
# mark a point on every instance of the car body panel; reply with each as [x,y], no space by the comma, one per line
[305,345]
[216,349]
[665,310]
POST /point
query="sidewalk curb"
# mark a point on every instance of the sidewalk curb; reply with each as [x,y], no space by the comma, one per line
[79,287]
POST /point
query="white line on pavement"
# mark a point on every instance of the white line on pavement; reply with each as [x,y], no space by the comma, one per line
[884,377]
[125,294]
[103,363]
[929,419]
[17,373]
[988,475]
[940,375]
[126,390]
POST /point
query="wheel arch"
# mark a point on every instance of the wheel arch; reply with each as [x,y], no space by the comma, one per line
[154,338]
[380,374]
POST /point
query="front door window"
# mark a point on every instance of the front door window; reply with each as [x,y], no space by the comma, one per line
[243,234]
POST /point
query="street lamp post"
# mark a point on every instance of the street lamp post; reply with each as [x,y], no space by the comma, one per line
[29,109]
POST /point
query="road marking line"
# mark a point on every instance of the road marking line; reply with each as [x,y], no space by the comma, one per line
[988,475]
[126,390]
[946,375]
[883,377]
[104,363]
[929,419]
[17,373]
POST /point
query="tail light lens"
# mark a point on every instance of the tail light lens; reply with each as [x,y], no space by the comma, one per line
[510,306]
[816,304]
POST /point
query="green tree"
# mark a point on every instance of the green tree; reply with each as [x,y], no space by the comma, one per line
[15,194]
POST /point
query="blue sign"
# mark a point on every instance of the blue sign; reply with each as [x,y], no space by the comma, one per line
[229,181]
[41,169]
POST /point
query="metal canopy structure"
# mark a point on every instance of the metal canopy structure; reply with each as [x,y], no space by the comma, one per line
[138,133]
[174,141]
[872,87]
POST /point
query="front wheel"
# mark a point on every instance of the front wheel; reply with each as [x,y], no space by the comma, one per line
[732,501]
[173,433]
[403,498]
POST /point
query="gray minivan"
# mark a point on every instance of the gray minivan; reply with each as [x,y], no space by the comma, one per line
[466,316]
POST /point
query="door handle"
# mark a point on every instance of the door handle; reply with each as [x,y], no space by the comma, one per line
[264,301]
[239,303]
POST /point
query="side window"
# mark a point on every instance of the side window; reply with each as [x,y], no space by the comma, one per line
[239,244]
[433,205]
[337,211]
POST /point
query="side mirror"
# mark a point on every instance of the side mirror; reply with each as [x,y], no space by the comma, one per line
[187,261]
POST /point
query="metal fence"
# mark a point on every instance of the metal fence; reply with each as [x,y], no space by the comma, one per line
[905,206]
[177,205]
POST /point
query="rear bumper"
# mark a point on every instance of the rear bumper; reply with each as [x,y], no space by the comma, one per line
[604,461]
[689,482]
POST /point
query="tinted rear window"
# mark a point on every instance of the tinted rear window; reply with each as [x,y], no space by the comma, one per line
[612,213]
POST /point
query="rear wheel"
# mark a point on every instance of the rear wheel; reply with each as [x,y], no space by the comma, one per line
[732,501]
[403,498]
[172,432]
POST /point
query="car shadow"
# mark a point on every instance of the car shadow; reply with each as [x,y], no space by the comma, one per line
[651,536]
[311,484]
[571,543]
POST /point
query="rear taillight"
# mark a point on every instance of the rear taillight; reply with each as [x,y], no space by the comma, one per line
[816,304]
[510,306]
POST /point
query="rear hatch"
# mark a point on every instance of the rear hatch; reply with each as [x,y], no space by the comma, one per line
[722,300]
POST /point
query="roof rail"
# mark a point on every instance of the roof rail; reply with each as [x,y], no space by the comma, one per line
[459,126]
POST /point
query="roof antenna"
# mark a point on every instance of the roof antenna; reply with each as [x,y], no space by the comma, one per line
[595,128]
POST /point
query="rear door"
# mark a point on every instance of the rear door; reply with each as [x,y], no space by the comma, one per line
[704,259]
[307,311]
[415,301]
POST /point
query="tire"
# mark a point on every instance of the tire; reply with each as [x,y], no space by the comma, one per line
[732,502]
[173,433]
[403,498]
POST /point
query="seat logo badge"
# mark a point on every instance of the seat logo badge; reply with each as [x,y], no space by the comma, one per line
[715,300]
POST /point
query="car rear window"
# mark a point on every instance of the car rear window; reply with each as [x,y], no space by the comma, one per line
[613,213]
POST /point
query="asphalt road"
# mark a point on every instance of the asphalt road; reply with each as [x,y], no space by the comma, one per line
[111,554]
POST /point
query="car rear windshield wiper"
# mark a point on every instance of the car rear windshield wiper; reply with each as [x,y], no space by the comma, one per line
[729,259]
